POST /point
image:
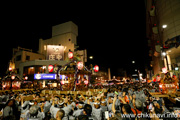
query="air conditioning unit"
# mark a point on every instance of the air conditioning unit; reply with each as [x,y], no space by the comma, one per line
[152,11]
[158,48]
[155,30]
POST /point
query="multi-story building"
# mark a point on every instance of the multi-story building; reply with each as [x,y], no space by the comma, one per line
[53,51]
[163,33]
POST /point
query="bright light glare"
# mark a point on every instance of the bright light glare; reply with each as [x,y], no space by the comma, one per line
[164,53]
[164,26]
[176,68]
[43,67]
[91,57]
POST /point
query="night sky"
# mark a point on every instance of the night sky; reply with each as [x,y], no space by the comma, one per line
[114,33]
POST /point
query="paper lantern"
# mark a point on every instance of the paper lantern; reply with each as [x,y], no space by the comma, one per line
[62,82]
[12,77]
[86,82]
[164,70]
[50,68]
[70,55]
[26,77]
[10,68]
[80,65]
[96,68]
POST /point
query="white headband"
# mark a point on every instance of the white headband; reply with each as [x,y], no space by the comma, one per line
[96,103]
[103,101]
[80,104]
[177,99]
[31,103]
[61,103]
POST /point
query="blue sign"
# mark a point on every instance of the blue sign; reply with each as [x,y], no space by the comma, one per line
[44,76]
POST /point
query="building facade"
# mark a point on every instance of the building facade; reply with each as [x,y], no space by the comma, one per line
[163,33]
[64,35]
[53,51]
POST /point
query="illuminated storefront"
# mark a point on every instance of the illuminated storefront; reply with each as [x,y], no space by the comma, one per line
[45,81]
[52,53]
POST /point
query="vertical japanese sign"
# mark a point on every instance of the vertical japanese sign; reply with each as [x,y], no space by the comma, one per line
[55,52]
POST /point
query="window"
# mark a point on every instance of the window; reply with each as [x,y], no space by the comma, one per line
[44,47]
[43,69]
[27,57]
[31,70]
[18,58]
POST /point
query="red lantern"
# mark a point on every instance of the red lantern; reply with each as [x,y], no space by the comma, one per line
[62,82]
[50,68]
[70,55]
[96,68]
[154,80]
[26,77]
[80,65]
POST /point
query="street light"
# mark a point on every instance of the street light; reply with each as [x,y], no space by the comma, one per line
[164,26]
[133,62]
[176,68]
[90,57]
[163,53]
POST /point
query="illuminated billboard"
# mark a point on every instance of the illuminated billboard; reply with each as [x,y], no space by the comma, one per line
[44,76]
[48,76]
[55,52]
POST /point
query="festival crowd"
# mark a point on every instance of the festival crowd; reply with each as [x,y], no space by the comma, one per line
[120,102]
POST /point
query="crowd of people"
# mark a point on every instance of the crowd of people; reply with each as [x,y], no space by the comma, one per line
[120,102]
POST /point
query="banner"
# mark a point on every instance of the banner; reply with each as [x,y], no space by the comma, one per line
[55,52]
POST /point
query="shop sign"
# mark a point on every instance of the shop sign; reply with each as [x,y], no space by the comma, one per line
[44,76]
[55,69]
[48,76]
[55,52]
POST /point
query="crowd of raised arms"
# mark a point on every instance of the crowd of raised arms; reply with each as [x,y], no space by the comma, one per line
[119,102]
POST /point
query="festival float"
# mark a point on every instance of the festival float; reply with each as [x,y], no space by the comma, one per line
[11,82]
[72,76]
[168,84]
[75,75]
